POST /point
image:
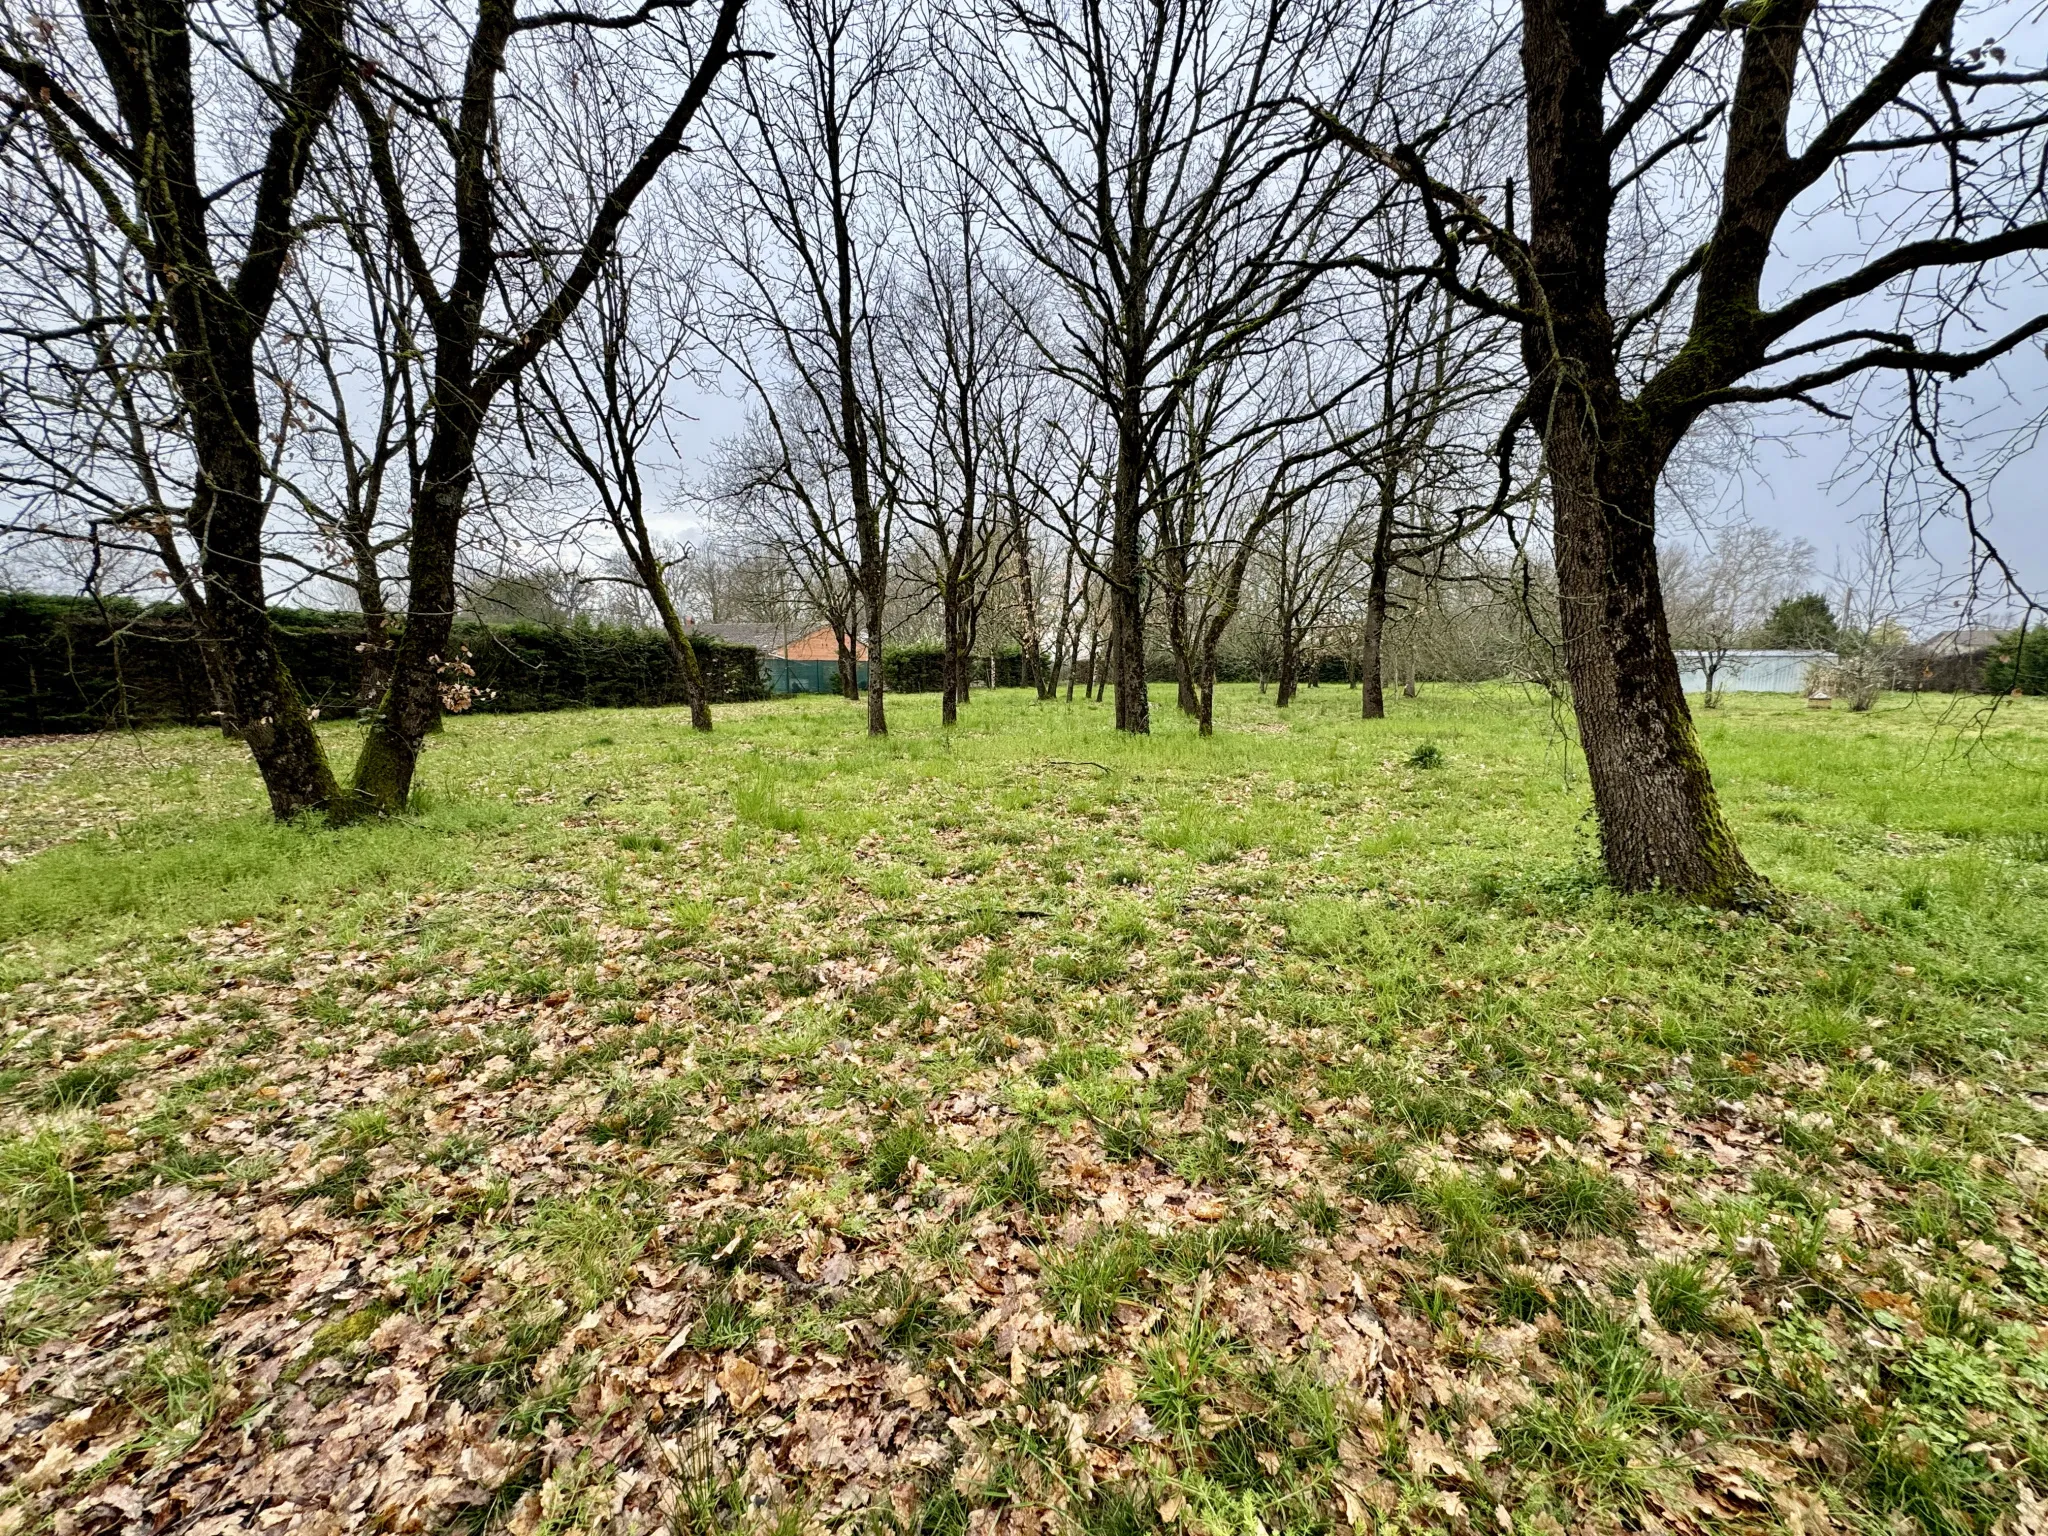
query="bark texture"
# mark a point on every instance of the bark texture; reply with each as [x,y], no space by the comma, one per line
[1661,826]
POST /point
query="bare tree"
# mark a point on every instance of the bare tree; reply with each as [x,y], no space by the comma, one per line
[603,394]
[1259,436]
[1432,456]
[450,187]
[1312,560]
[780,495]
[804,154]
[1742,111]
[1161,182]
[1719,594]
[161,150]
[953,350]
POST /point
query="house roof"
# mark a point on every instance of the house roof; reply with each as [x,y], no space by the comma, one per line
[804,643]
[1960,642]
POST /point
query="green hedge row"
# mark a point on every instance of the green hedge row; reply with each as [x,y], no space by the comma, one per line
[2018,663]
[68,664]
[922,669]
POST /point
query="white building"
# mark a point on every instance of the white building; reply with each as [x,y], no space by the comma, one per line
[1749,671]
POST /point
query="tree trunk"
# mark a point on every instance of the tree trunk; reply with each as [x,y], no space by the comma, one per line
[1126,589]
[269,715]
[1062,659]
[849,661]
[376,674]
[411,706]
[1661,826]
[1290,665]
[950,668]
[1371,664]
[218,687]
[680,650]
[1031,659]
[226,522]
[1183,663]
[874,593]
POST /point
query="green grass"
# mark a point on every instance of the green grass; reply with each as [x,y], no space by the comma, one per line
[951,1080]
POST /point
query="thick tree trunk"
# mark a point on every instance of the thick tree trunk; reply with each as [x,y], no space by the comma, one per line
[1126,587]
[1661,826]
[1290,667]
[226,522]
[268,713]
[411,706]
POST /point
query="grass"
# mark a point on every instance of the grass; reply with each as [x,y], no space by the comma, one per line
[699,1127]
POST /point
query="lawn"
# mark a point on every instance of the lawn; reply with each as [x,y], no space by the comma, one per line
[1020,1129]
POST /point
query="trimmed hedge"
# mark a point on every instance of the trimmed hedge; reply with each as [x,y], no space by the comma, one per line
[922,669]
[67,664]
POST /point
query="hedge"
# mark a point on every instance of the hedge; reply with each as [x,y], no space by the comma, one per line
[67,664]
[922,669]
[2018,663]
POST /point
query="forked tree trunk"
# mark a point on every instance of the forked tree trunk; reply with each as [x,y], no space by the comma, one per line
[1661,826]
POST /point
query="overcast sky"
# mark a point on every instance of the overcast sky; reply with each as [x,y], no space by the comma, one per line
[1805,476]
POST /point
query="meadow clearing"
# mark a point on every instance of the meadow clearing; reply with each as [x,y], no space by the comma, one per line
[1021,1128]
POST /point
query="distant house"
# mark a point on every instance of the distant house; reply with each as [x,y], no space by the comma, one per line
[795,660]
[1949,663]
